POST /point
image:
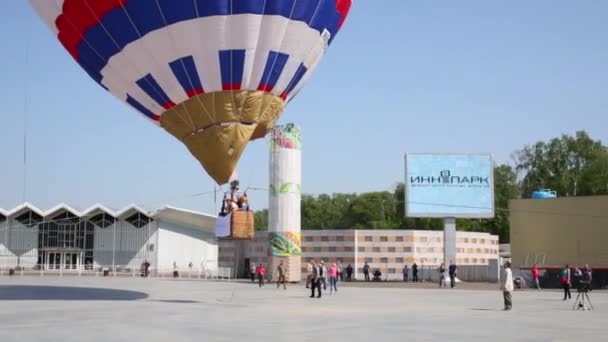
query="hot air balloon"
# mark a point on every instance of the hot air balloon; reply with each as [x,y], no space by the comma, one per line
[215,74]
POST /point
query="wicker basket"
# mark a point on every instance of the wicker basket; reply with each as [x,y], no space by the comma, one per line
[242,225]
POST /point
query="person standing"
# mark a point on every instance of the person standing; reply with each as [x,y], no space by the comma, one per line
[566,282]
[315,282]
[349,273]
[366,271]
[587,277]
[323,275]
[536,276]
[281,272]
[333,278]
[442,275]
[404,271]
[452,273]
[252,272]
[309,273]
[415,273]
[507,287]
[261,273]
[340,271]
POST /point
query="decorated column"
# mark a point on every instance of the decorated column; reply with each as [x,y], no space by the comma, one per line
[284,235]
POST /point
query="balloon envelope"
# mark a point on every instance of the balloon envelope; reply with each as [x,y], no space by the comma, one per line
[213,73]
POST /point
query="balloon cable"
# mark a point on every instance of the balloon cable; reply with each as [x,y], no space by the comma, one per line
[26,96]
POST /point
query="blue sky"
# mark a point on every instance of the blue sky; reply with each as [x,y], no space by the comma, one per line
[417,76]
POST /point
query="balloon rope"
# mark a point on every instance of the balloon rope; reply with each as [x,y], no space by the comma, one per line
[26,98]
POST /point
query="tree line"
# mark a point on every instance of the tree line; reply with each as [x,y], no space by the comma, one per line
[571,165]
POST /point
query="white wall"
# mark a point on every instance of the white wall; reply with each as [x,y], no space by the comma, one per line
[184,245]
[18,245]
[131,245]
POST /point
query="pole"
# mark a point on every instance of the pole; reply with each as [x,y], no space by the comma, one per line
[449,240]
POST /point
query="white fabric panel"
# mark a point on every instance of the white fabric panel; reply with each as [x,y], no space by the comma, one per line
[287,75]
[284,209]
[246,28]
[48,10]
[271,30]
[312,60]
[222,226]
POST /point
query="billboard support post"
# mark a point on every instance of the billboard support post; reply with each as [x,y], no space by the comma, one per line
[449,240]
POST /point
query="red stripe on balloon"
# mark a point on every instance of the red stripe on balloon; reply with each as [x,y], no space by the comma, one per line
[194,92]
[169,105]
[343,7]
[78,16]
[265,87]
[231,86]
[156,117]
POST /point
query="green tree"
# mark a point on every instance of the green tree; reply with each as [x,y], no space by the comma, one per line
[569,165]
[261,220]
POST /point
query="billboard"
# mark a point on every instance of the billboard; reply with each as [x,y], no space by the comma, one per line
[449,185]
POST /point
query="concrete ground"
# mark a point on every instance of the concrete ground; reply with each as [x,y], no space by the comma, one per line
[136,309]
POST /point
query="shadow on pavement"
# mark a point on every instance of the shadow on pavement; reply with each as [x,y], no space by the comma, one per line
[32,292]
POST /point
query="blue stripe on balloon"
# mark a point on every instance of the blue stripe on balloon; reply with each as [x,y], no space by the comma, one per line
[187,75]
[297,77]
[146,17]
[232,65]
[272,71]
[135,104]
[149,85]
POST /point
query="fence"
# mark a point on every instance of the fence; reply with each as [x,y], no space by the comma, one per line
[220,273]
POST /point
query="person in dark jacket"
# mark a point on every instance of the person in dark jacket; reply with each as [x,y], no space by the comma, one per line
[452,273]
[315,280]
[415,273]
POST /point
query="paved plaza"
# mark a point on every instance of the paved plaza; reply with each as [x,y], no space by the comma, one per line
[136,309]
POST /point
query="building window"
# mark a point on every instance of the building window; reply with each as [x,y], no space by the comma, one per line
[399,260]
[384,260]
[418,249]
[376,250]
[399,238]
[332,249]
[473,240]
[308,238]
[102,220]
[368,239]
[482,241]
[368,259]
[317,249]
[361,249]
[384,238]
[325,238]
[340,238]
[29,219]
[466,240]
[423,239]
[348,249]
[407,249]
[138,220]
[392,270]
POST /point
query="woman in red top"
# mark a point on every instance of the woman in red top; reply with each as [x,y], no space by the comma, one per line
[261,273]
[535,276]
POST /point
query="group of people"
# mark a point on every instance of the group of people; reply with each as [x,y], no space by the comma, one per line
[582,279]
[451,272]
[318,273]
[259,271]
[235,200]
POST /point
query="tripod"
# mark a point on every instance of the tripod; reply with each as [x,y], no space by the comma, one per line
[579,303]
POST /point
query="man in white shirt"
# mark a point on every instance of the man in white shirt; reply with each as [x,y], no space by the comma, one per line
[507,286]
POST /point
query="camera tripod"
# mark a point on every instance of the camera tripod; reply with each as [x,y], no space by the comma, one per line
[579,303]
